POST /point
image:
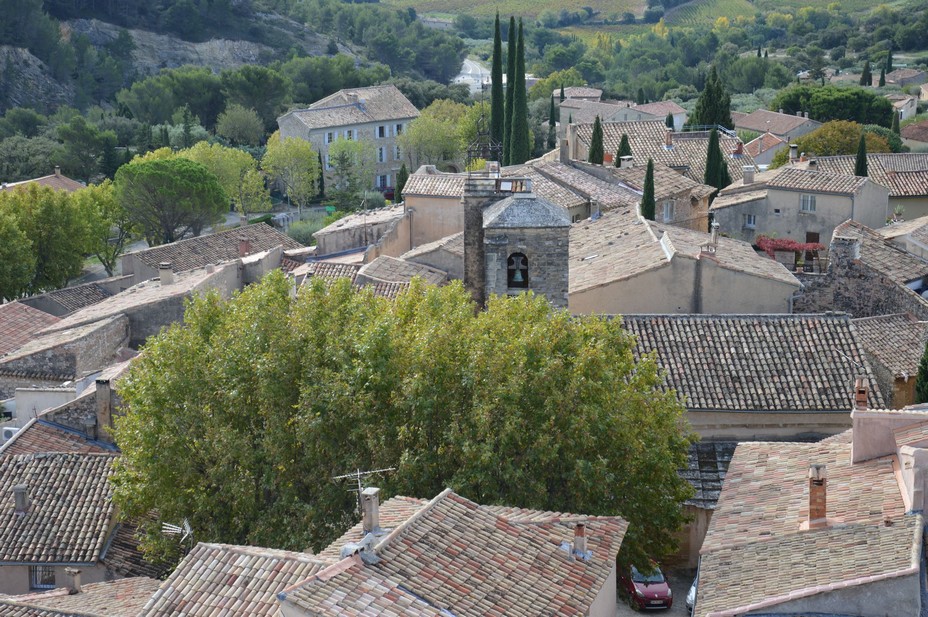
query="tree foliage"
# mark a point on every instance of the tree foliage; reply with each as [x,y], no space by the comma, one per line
[294,165]
[402,176]
[596,154]
[238,418]
[497,98]
[237,173]
[860,164]
[713,108]
[716,169]
[353,163]
[170,197]
[436,135]
[241,126]
[15,254]
[921,379]
[834,138]
[648,206]
[519,142]
[109,227]
[510,89]
[828,103]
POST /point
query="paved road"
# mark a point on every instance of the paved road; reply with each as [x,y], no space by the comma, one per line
[473,74]
[680,584]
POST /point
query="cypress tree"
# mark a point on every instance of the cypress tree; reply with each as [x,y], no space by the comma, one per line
[758,51]
[401,177]
[860,166]
[921,379]
[570,118]
[562,93]
[866,78]
[647,200]
[714,104]
[669,120]
[882,81]
[641,96]
[895,125]
[765,54]
[889,61]
[321,179]
[510,80]
[552,126]
[497,101]
[519,147]
[625,148]
[596,144]
[716,170]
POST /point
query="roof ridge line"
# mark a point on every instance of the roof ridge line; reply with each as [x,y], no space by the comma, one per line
[402,527]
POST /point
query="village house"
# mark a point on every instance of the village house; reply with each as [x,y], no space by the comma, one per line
[763,148]
[906,77]
[367,570]
[906,106]
[802,204]
[894,345]
[785,126]
[840,519]
[911,236]
[660,109]
[905,175]
[581,92]
[56,181]
[915,136]
[378,114]
[118,598]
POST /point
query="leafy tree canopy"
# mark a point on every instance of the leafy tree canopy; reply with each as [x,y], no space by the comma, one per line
[294,164]
[238,417]
[833,138]
[109,227]
[836,103]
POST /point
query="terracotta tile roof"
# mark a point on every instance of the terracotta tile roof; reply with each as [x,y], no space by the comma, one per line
[357,106]
[898,74]
[46,342]
[762,363]
[766,494]
[583,111]
[77,297]
[795,179]
[433,183]
[119,598]
[765,142]
[608,195]
[393,513]
[124,556]
[214,248]
[548,185]
[233,581]
[577,92]
[71,507]
[362,218]
[448,555]
[916,132]
[881,255]
[55,181]
[647,140]
[661,108]
[790,567]
[40,435]
[288,264]
[454,244]
[915,435]
[332,271]
[762,121]
[707,464]
[392,270]
[904,174]
[902,228]
[19,324]
[667,182]
[387,290]
[896,341]
[727,200]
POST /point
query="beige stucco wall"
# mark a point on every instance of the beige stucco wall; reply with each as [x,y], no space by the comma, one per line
[394,242]
[912,207]
[14,580]
[605,603]
[691,537]
[761,426]
[725,291]
[443,260]
[434,218]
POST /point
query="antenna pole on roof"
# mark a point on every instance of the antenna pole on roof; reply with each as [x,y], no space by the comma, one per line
[358,476]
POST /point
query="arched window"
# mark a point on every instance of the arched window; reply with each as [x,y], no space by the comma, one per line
[517,271]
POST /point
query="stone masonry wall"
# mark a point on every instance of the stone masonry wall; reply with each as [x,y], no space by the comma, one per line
[547,252]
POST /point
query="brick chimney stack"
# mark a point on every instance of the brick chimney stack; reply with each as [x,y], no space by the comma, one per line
[668,138]
[818,483]
[861,394]
[579,539]
[244,246]
[370,509]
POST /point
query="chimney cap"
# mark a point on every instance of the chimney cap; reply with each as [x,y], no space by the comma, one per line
[165,265]
[817,471]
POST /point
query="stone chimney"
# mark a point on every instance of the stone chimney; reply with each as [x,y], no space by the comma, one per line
[579,546]
[165,273]
[21,499]
[57,170]
[104,399]
[793,153]
[244,246]
[818,484]
[781,110]
[626,161]
[747,174]
[668,138]
[74,580]
[714,235]
[805,115]
[813,165]
[370,509]
[799,113]
[352,98]
[861,394]
[564,152]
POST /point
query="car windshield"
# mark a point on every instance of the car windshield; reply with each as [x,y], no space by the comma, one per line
[653,577]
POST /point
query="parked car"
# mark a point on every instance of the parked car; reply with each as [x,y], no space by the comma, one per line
[691,597]
[646,591]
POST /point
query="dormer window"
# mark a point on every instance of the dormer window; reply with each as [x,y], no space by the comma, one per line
[517,271]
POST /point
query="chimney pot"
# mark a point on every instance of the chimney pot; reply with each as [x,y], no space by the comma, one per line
[818,481]
[104,419]
[781,110]
[747,174]
[799,113]
[714,237]
[594,210]
[165,273]
[21,498]
[812,164]
[74,580]
[579,547]
[861,394]
[370,509]
[57,170]
[608,158]
[668,138]
[739,149]
[626,162]
[793,152]
[244,246]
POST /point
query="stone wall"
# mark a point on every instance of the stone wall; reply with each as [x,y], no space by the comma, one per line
[546,250]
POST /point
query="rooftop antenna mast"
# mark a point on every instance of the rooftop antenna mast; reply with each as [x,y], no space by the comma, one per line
[483,147]
[358,476]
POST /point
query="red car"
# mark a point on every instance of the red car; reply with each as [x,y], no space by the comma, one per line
[646,591]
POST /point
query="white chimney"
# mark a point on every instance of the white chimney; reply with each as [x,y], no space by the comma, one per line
[74,580]
[747,173]
[165,273]
[799,113]
[370,509]
[21,498]
[714,237]
[793,152]
[626,161]
[579,547]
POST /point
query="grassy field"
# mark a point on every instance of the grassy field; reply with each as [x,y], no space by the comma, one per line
[702,12]
[525,8]
[588,33]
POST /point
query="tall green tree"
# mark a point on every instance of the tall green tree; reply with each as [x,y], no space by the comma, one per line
[596,154]
[648,205]
[921,379]
[716,169]
[402,177]
[242,127]
[497,98]
[16,256]
[109,226]
[552,125]
[866,78]
[625,149]
[519,142]
[860,164]
[714,104]
[237,172]
[170,197]
[320,183]
[894,127]
[85,148]
[562,93]
[257,87]
[888,67]
[294,165]
[641,100]
[237,418]
[510,88]
[668,121]
[882,81]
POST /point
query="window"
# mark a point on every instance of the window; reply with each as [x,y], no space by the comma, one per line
[381,154]
[750,221]
[807,203]
[328,165]
[396,153]
[383,181]
[349,134]
[668,211]
[41,577]
[381,131]
[517,271]
[329,137]
[399,129]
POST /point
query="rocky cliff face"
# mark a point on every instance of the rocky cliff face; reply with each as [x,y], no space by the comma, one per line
[25,81]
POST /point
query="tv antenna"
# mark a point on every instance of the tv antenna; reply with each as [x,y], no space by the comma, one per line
[358,476]
[183,530]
